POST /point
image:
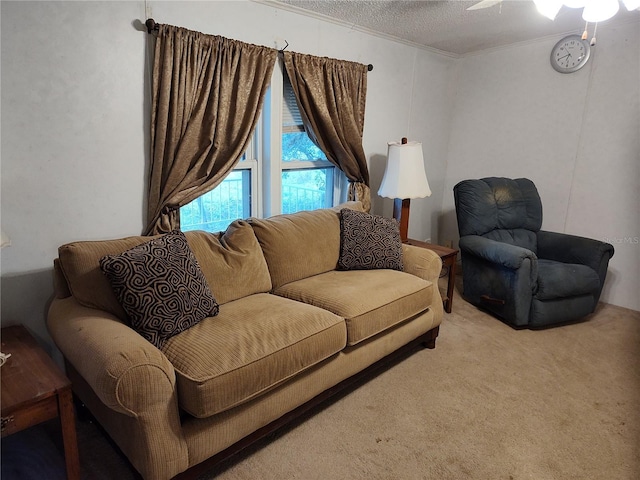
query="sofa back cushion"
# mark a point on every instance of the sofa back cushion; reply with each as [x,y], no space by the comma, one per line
[80,264]
[302,244]
[231,261]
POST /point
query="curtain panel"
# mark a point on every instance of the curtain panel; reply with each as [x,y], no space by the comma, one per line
[207,93]
[331,95]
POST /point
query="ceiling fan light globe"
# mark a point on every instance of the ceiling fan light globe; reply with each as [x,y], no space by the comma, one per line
[548,8]
[600,10]
[631,4]
[575,3]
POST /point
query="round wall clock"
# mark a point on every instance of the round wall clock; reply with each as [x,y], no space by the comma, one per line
[570,54]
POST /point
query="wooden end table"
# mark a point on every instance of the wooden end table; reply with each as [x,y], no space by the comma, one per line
[448,256]
[34,390]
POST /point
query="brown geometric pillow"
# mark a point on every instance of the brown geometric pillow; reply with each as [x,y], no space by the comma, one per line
[368,242]
[161,287]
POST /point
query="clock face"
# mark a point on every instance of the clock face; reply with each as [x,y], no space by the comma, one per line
[570,54]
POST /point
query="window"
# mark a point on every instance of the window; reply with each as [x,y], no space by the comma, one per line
[307,176]
[283,171]
[229,201]
[216,209]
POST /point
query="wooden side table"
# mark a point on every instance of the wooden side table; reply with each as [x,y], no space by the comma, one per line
[448,256]
[34,390]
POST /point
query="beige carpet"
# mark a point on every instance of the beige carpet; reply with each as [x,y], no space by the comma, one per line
[488,403]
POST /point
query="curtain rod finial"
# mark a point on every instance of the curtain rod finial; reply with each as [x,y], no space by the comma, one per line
[152,26]
[369,67]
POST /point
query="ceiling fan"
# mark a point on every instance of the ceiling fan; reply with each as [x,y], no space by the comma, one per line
[484,4]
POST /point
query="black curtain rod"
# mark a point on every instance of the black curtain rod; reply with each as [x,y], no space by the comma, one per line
[152,26]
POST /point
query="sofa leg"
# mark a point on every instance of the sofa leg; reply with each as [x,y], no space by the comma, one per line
[430,337]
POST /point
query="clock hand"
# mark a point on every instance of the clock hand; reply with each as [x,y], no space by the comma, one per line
[568,59]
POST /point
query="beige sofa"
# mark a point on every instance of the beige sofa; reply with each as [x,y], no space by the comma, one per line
[290,330]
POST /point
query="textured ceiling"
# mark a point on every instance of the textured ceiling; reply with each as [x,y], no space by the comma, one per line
[447,25]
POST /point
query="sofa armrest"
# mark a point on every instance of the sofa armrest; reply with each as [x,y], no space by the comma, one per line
[131,377]
[421,262]
[427,265]
[109,355]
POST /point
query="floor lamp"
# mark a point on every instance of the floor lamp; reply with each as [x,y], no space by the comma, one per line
[404,178]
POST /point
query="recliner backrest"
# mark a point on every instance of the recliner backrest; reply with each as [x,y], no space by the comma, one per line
[503,209]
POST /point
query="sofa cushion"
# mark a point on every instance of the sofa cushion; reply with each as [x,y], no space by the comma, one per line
[80,264]
[301,244]
[161,287]
[232,261]
[560,280]
[368,242]
[254,344]
[370,301]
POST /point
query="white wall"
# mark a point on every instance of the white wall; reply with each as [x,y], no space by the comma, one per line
[75,128]
[576,136]
[75,123]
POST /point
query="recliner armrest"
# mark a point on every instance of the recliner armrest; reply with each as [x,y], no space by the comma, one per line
[563,247]
[507,255]
[499,276]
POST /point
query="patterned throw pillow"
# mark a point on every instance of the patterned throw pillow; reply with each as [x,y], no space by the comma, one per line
[161,287]
[368,242]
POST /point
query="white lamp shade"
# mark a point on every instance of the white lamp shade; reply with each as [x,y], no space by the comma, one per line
[404,176]
[600,10]
[548,8]
[631,4]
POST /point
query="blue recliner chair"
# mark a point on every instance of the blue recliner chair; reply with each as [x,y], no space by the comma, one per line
[511,268]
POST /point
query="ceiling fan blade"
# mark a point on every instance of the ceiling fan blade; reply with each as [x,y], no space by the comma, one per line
[484,4]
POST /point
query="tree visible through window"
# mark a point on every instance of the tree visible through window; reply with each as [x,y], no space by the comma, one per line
[307,175]
[304,188]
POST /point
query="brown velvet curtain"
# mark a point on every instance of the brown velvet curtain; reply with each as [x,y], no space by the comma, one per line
[331,95]
[207,95]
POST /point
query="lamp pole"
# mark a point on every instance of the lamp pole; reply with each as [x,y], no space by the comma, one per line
[401,211]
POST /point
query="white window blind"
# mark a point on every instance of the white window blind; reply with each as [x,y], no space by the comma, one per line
[291,117]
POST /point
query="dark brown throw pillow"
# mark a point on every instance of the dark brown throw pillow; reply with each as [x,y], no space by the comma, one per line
[161,287]
[368,242]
